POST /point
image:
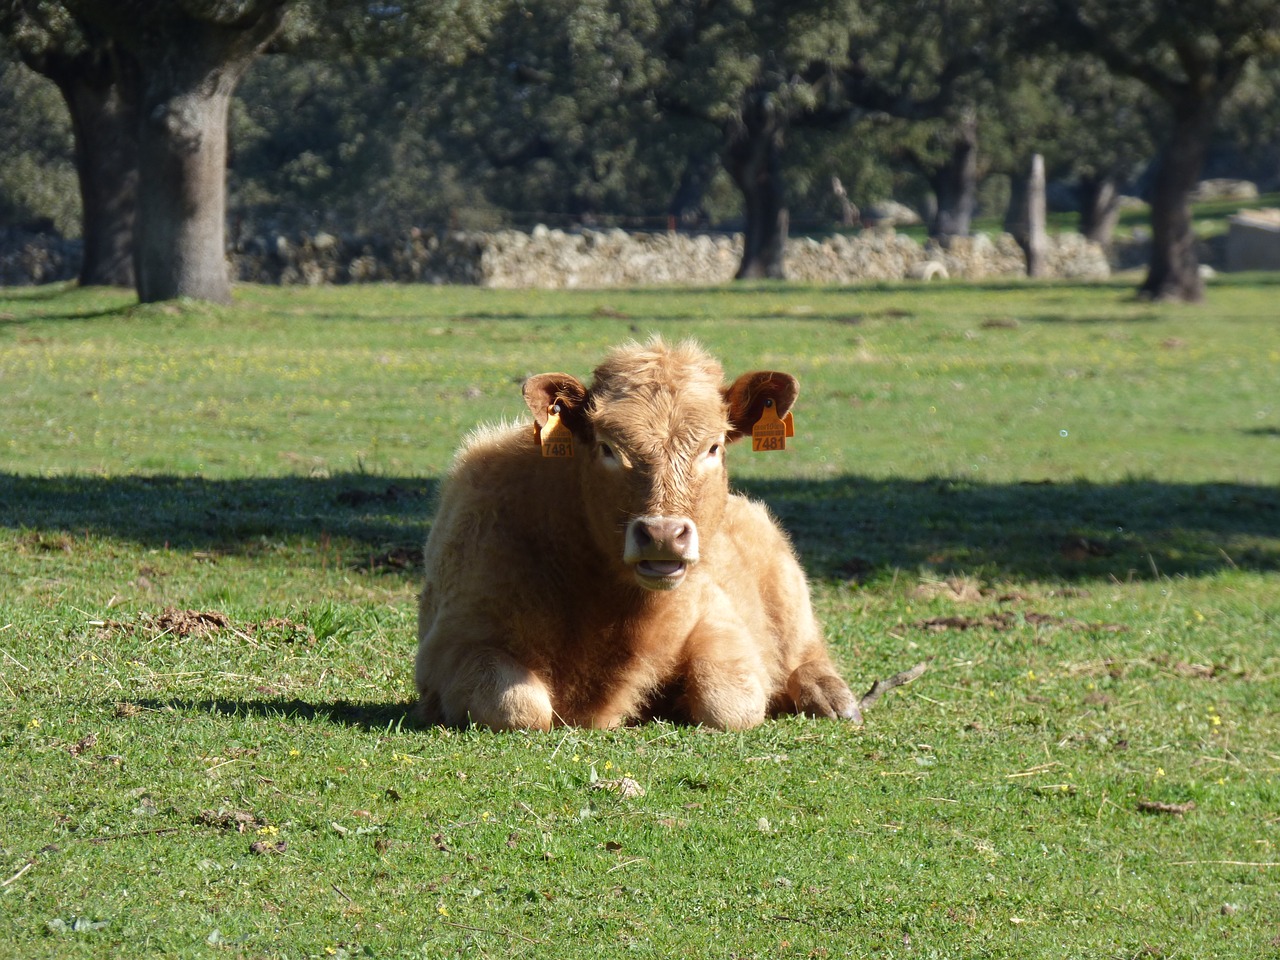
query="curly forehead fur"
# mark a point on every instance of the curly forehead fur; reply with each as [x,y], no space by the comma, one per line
[655,391]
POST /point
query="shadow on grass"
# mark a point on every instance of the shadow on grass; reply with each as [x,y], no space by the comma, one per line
[854,527]
[847,527]
[367,716]
[382,522]
[94,313]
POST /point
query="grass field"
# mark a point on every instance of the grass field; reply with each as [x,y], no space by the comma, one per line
[1065,499]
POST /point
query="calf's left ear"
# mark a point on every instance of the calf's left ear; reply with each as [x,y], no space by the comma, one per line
[545,390]
[747,397]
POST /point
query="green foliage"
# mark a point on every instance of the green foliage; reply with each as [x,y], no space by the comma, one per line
[37,177]
[210,518]
[378,117]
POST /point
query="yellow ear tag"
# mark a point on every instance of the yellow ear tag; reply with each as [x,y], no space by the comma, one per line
[771,431]
[556,438]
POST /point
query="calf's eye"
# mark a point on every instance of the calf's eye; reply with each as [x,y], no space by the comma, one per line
[606,451]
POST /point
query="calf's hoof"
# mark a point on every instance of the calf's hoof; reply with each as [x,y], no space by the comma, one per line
[817,691]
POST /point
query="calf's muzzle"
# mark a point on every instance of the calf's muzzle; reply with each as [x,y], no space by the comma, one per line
[660,550]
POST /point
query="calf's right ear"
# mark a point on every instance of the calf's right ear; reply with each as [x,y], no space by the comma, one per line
[547,390]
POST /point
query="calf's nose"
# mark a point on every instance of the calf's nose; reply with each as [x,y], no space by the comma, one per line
[665,537]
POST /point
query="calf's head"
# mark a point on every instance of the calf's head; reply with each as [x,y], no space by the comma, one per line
[649,437]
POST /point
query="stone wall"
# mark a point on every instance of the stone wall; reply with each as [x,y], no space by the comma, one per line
[28,258]
[1253,240]
[589,258]
[610,258]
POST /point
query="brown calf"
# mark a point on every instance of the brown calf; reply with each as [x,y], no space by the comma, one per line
[596,569]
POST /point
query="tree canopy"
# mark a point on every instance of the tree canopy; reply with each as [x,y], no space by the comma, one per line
[375,117]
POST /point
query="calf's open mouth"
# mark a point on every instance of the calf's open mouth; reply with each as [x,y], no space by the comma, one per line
[660,574]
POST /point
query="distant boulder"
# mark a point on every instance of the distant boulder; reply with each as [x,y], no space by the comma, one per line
[890,213]
[1207,191]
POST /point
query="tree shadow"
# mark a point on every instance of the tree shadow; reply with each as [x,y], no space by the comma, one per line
[384,520]
[844,527]
[1090,320]
[89,313]
[854,527]
[374,717]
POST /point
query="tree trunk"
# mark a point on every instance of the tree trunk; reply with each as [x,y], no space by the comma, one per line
[1026,216]
[955,184]
[187,66]
[181,229]
[1174,270]
[753,158]
[1099,208]
[105,125]
[687,204]
[104,122]
[1016,213]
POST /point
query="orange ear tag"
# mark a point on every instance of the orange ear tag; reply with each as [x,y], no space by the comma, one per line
[771,431]
[556,438]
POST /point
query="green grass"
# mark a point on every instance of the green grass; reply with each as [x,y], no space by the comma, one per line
[1066,498]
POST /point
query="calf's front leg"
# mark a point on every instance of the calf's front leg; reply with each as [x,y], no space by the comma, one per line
[481,685]
[726,681]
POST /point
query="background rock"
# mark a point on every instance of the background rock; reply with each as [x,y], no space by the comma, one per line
[551,259]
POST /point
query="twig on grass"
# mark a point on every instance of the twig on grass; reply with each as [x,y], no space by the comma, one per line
[807,923]
[626,863]
[1176,809]
[27,866]
[136,833]
[1039,768]
[499,933]
[881,687]
[1225,863]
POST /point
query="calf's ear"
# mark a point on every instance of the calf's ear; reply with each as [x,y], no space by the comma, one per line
[746,398]
[545,390]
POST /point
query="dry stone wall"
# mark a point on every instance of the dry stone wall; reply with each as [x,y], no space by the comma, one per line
[28,258]
[546,258]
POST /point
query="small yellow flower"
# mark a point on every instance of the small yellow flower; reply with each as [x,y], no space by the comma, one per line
[295,752]
[608,764]
[1159,771]
[33,723]
[268,831]
[442,910]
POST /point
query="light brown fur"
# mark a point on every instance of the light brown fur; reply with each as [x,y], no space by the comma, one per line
[530,617]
